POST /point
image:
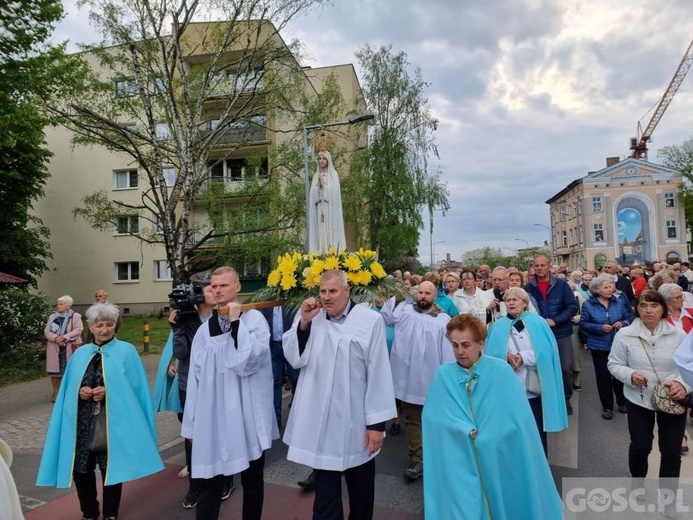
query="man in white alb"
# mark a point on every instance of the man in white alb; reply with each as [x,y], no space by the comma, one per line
[419,348]
[343,399]
[229,409]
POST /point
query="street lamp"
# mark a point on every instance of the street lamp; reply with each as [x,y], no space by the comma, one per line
[513,251]
[544,226]
[430,229]
[432,251]
[523,240]
[352,120]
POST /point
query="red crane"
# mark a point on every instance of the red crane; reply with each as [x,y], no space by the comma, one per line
[638,145]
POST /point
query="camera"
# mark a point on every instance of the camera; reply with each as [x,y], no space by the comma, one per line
[185,297]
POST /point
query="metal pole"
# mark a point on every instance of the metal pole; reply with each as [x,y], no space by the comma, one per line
[431,234]
[306,175]
[145,336]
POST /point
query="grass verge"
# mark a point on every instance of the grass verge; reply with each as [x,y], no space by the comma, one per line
[27,363]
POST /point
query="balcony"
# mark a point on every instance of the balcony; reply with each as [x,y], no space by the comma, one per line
[240,134]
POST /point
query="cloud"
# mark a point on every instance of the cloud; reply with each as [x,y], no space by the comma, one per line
[530,94]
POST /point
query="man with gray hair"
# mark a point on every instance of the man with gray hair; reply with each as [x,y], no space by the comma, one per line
[343,399]
[621,283]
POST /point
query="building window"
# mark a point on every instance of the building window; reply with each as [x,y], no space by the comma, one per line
[169,175]
[162,131]
[125,179]
[127,224]
[599,232]
[565,238]
[158,86]
[127,271]
[234,170]
[125,87]
[669,199]
[596,204]
[580,239]
[671,229]
[162,271]
[563,214]
[248,81]
[158,226]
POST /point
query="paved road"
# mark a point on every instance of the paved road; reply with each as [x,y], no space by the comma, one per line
[591,447]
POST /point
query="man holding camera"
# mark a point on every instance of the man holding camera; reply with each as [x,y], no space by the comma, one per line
[229,413]
[193,307]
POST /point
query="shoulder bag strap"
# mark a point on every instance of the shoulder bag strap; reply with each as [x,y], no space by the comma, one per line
[649,359]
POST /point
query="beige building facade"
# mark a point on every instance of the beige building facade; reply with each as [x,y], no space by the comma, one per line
[628,212]
[134,273]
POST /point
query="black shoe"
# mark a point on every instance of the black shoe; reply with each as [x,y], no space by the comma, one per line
[569,408]
[607,414]
[309,482]
[190,500]
[413,472]
[228,488]
[622,408]
[394,429]
[577,388]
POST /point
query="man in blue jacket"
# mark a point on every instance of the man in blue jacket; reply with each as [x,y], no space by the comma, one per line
[557,305]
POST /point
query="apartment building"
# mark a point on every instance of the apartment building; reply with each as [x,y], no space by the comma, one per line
[135,273]
[628,211]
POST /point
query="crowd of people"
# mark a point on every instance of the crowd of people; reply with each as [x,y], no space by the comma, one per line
[446,352]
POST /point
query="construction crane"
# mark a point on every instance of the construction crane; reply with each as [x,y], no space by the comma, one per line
[638,145]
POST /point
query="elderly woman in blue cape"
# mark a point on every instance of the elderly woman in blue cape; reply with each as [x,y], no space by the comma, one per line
[526,342]
[326,219]
[494,459]
[103,377]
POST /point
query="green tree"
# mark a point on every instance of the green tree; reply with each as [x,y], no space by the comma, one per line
[167,90]
[29,72]
[680,158]
[395,172]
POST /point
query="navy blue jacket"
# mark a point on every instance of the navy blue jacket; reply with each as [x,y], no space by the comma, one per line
[560,304]
[594,315]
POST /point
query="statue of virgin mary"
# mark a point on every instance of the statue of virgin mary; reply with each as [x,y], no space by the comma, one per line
[326,219]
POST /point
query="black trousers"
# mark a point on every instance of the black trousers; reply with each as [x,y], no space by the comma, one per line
[607,385]
[86,492]
[253,483]
[360,483]
[538,413]
[670,429]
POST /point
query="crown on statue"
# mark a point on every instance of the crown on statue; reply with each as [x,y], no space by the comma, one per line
[322,141]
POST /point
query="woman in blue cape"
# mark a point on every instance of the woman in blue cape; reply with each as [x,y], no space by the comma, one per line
[103,377]
[165,396]
[493,459]
[526,342]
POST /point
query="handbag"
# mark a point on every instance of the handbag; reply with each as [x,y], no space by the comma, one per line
[99,440]
[532,383]
[660,399]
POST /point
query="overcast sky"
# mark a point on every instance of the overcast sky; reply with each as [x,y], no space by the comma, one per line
[530,94]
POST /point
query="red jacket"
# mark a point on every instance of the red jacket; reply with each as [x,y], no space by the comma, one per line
[687,321]
[639,285]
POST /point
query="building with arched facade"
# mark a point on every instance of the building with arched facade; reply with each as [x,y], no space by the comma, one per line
[628,211]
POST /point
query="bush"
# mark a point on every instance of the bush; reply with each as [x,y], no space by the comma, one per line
[24,317]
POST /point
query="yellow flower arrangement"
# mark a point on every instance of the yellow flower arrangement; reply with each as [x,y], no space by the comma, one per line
[297,276]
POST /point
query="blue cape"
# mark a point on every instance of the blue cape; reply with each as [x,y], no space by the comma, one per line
[482,452]
[165,396]
[133,450]
[548,364]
